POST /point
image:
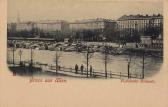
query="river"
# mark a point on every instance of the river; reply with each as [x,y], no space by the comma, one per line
[117,63]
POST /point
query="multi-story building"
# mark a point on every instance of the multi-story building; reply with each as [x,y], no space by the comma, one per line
[45,26]
[93,29]
[52,26]
[92,24]
[11,27]
[24,26]
[139,22]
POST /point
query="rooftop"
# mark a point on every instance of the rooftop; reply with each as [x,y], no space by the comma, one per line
[138,16]
[93,20]
[51,21]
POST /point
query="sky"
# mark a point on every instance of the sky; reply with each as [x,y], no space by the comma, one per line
[70,10]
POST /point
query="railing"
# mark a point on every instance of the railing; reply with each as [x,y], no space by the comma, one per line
[84,73]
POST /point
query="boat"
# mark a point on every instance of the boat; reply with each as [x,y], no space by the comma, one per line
[70,49]
[117,51]
[157,55]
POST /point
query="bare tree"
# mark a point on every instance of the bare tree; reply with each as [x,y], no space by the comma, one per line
[129,64]
[13,52]
[31,55]
[106,58]
[20,55]
[134,63]
[88,55]
[143,64]
[31,60]
[57,60]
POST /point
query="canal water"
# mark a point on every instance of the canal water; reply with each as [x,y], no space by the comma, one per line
[116,63]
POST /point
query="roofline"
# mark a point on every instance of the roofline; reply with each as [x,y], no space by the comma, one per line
[121,19]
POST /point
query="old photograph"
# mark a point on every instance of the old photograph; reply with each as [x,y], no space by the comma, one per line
[85,39]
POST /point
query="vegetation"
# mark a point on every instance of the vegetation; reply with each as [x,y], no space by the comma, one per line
[98,35]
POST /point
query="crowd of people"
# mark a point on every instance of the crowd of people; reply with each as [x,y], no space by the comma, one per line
[82,69]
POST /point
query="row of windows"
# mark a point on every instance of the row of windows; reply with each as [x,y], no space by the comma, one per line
[50,27]
[137,24]
[87,26]
[140,21]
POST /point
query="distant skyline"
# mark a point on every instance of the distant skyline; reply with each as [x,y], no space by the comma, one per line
[34,10]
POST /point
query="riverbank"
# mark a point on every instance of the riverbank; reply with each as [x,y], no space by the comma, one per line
[113,48]
[67,72]
[70,59]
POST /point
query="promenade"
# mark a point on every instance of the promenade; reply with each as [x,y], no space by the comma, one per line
[39,69]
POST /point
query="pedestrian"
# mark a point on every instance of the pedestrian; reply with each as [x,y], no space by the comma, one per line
[59,67]
[90,70]
[136,45]
[82,68]
[76,68]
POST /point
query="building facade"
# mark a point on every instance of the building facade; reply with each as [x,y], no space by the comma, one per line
[52,26]
[24,26]
[92,24]
[11,27]
[139,22]
[46,27]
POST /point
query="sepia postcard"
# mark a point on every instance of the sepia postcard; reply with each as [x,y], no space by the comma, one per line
[83,53]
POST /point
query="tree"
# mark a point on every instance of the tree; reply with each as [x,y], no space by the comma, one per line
[57,60]
[135,36]
[153,31]
[20,55]
[106,58]
[31,60]
[88,55]
[13,52]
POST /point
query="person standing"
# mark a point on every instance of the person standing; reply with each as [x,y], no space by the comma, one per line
[82,67]
[90,70]
[76,68]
